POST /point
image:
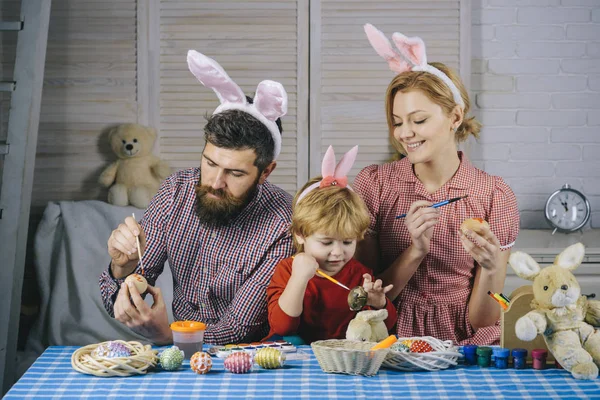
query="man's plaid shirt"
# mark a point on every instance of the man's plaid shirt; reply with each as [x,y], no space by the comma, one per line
[220,275]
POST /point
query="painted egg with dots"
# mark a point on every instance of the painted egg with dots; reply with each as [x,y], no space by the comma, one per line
[269,358]
[201,362]
[420,346]
[238,363]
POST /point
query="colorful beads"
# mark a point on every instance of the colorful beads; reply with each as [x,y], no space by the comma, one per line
[420,346]
[171,358]
[111,350]
[201,362]
[238,363]
[269,358]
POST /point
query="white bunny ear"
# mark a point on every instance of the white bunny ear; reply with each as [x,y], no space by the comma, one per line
[524,265]
[345,164]
[213,76]
[571,257]
[271,100]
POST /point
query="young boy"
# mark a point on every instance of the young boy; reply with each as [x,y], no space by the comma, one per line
[328,218]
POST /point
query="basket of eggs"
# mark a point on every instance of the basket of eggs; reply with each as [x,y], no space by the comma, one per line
[424,353]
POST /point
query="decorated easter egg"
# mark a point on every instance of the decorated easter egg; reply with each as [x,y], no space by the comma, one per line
[357,298]
[420,346]
[238,363]
[201,362]
[138,281]
[171,358]
[269,358]
[407,343]
[112,349]
[401,347]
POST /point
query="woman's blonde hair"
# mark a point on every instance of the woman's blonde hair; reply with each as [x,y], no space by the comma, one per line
[333,211]
[438,92]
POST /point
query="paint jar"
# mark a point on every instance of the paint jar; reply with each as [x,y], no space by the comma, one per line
[188,336]
[501,357]
[470,352]
[484,356]
[519,358]
[539,358]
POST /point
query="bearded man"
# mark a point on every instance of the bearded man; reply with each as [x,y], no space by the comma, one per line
[222,227]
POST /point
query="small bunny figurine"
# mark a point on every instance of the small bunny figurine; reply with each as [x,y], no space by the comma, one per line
[560,313]
[368,325]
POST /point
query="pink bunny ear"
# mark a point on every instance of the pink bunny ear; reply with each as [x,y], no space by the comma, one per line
[271,100]
[413,48]
[384,48]
[213,76]
[328,164]
[346,163]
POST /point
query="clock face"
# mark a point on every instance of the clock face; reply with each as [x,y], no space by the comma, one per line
[568,210]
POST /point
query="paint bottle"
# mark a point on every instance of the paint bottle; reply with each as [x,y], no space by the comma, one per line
[501,357]
[539,358]
[484,356]
[519,358]
[470,352]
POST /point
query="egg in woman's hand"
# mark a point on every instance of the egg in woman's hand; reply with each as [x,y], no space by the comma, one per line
[138,281]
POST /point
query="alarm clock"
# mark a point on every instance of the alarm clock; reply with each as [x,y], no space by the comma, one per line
[567,210]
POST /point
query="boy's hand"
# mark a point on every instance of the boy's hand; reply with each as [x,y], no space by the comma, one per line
[304,267]
[375,291]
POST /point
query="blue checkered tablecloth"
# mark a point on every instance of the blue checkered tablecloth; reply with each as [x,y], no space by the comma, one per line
[51,377]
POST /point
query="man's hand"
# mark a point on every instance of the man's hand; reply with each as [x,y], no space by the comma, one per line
[135,313]
[122,247]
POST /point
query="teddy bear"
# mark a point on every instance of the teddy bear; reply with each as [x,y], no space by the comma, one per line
[564,317]
[137,174]
[368,326]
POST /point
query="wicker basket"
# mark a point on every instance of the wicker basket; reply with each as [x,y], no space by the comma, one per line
[444,355]
[348,356]
[142,358]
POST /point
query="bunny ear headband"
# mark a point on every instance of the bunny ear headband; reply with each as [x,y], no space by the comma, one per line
[333,175]
[270,101]
[409,55]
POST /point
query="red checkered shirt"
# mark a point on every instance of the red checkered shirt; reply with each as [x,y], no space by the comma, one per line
[435,300]
[220,275]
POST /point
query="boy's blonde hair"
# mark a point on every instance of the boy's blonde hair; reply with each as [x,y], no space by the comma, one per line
[333,211]
[438,92]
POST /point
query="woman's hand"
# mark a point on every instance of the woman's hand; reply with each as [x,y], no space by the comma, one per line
[375,291]
[420,220]
[484,247]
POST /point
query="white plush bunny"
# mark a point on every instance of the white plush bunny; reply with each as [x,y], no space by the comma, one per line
[565,318]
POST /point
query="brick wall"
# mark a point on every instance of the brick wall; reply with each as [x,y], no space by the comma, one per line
[535,86]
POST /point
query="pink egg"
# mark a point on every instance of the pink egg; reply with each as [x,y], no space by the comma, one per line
[238,363]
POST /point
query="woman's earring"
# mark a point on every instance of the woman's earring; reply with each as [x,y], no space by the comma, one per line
[455,129]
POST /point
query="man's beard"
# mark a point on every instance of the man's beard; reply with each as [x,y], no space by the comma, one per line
[220,212]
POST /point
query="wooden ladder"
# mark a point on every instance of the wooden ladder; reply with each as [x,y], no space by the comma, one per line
[17,162]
